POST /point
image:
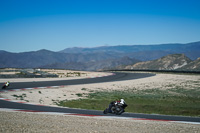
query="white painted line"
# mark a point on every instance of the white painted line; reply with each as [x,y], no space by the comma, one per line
[186,122]
[28,88]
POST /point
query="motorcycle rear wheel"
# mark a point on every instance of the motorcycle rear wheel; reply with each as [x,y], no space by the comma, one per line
[105,111]
[4,87]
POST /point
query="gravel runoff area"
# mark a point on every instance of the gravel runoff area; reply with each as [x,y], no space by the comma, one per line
[35,122]
[18,122]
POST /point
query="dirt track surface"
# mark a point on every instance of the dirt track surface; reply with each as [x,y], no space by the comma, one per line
[18,122]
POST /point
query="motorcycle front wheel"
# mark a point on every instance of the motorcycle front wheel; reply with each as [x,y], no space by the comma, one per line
[121,110]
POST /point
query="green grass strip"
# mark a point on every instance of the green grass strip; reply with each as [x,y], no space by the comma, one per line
[176,101]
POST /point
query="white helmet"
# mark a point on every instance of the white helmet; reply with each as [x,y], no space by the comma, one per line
[122,101]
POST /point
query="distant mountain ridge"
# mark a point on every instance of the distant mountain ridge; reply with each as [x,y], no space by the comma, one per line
[99,58]
[190,49]
[192,66]
[169,62]
[93,65]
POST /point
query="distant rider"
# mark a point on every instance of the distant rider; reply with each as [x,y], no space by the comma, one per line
[7,84]
[113,103]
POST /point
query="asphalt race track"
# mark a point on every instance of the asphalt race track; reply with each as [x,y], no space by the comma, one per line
[115,77]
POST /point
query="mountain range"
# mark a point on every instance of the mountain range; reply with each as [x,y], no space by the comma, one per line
[99,58]
[169,62]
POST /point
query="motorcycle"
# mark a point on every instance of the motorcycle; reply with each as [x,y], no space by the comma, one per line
[116,109]
[5,86]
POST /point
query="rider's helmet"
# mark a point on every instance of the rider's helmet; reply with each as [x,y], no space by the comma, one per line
[122,101]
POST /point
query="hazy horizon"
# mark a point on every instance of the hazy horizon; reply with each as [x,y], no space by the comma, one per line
[96,47]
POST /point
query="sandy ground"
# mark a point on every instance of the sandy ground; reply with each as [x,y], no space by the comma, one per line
[63,75]
[29,122]
[18,122]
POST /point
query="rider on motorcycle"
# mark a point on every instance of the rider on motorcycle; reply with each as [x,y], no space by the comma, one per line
[7,83]
[113,103]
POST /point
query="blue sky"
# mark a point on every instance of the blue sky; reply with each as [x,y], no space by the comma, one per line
[30,25]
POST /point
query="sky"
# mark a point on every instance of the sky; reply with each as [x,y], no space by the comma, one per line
[31,25]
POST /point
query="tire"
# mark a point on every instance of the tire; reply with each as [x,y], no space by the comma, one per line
[105,111]
[121,110]
[119,113]
[4,87]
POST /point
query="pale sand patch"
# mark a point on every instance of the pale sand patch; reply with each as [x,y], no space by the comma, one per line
[11,73]
[63,75]
[52,95]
